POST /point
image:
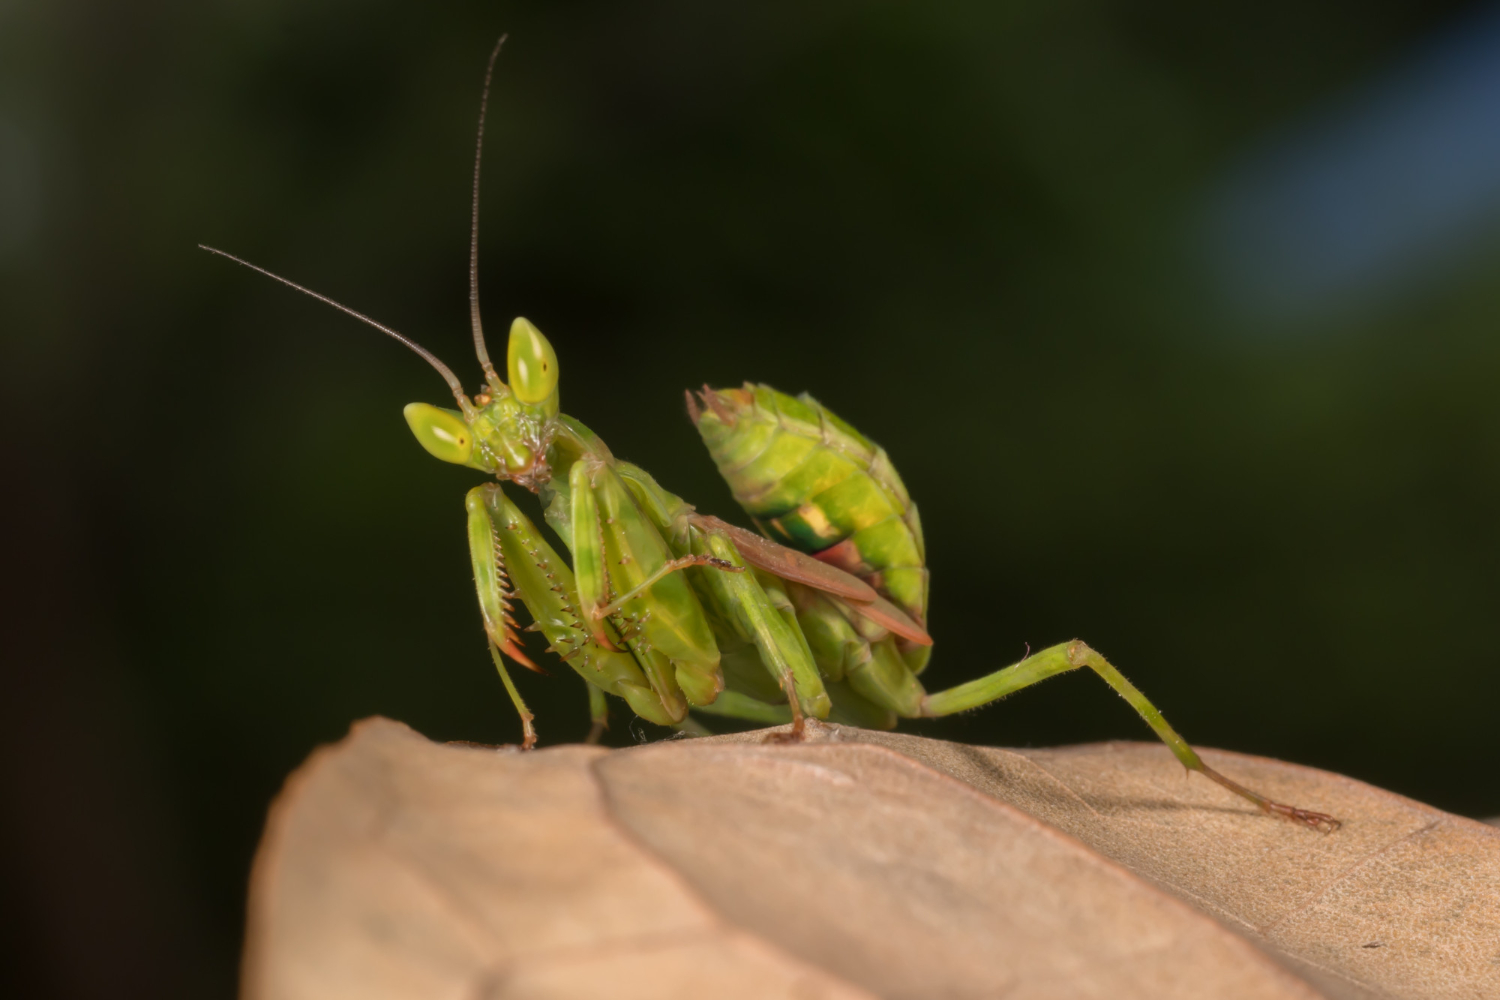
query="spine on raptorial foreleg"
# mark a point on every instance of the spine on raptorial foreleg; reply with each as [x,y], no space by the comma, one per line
[811,481]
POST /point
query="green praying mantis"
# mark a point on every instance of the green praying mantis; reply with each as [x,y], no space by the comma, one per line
[822,614]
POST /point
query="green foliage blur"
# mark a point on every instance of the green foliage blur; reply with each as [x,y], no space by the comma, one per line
[960,225]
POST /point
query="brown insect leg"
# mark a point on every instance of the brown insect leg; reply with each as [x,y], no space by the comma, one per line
[1318,821]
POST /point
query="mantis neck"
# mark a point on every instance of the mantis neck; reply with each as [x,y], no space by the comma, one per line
[572,441]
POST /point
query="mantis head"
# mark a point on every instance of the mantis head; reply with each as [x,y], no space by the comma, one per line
[506,428]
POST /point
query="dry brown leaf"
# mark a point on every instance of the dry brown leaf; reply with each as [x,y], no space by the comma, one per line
[856,864]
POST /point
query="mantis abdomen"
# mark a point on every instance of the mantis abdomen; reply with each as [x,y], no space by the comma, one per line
[812,482]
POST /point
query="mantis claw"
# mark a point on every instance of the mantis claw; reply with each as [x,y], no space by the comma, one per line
[1321,822]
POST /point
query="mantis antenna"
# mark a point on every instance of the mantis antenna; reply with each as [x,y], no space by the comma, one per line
[479,346]
[428,356]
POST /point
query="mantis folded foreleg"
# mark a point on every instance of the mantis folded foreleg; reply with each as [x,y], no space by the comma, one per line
[512,561]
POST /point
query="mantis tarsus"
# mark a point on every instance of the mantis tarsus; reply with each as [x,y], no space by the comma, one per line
[822,614]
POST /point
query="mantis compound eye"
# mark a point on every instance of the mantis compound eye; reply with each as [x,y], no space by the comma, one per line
[530,363]
[442,432]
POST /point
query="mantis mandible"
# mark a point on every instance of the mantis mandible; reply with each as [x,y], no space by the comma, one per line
[822,614]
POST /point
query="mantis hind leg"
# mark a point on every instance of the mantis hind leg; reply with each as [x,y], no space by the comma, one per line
[1071,656]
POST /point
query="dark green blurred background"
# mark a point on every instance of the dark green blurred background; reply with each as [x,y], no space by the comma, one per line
[966,227]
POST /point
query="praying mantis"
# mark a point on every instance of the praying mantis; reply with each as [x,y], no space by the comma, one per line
[821,614]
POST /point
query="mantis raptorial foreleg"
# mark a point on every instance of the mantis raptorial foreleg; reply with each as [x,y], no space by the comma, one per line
[512,561]
[490,582]
[624,567]
[528,731]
